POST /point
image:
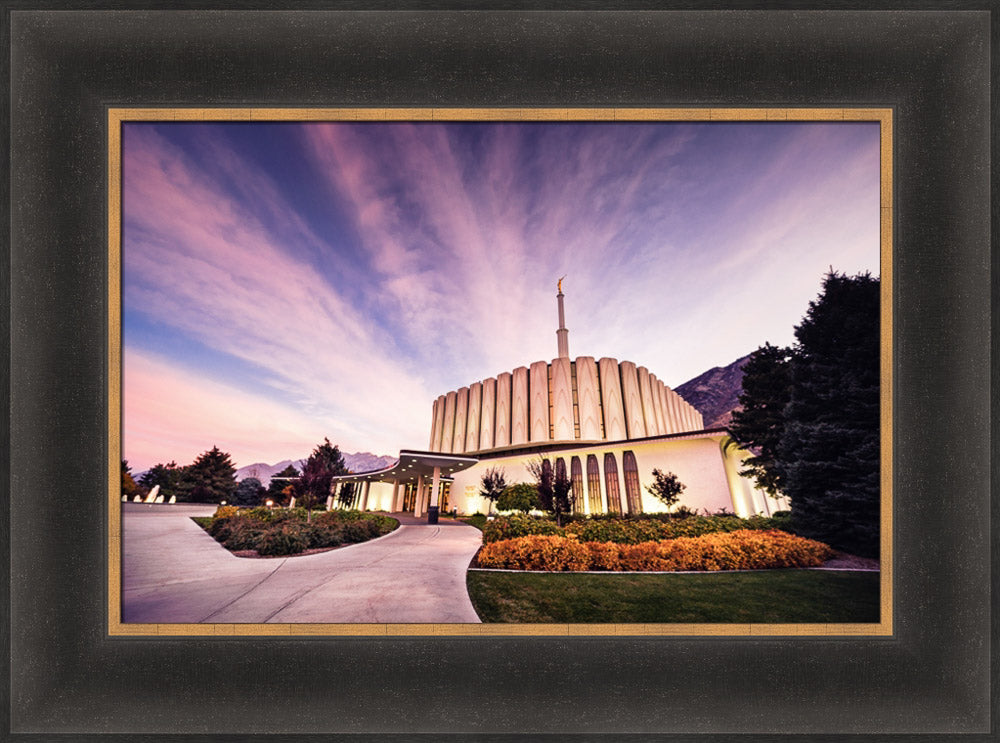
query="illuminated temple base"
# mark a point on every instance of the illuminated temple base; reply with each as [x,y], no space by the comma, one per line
[607,477]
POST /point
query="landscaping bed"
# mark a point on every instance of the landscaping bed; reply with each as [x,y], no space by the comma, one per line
[279,532]
[744,549]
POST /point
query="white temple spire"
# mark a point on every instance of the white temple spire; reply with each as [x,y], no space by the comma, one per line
[562,334]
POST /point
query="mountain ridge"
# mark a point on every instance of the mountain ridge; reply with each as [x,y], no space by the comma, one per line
[715,393]
[357,462]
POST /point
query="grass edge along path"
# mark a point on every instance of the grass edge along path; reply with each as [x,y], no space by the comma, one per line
[769,596]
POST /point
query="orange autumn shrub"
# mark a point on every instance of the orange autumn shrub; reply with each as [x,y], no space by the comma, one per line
[604,555]
[535,552]
[744,549]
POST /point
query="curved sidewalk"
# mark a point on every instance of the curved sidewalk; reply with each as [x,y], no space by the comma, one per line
[174,572]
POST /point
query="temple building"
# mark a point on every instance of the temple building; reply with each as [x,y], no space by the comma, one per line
[606,423]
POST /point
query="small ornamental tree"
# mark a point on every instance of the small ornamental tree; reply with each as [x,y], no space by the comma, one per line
[249,492]
[492,484]
[318,472]
[521,496]
[562,492]
[666,487]
[553,488]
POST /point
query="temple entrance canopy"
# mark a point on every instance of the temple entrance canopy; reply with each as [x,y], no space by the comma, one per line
[419,472]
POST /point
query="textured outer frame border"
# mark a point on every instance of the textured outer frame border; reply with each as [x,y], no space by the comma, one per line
[931,677]
[118,116]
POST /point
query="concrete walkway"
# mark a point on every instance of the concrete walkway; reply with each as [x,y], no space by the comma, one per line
[174,572]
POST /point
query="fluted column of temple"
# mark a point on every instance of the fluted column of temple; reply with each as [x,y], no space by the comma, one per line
[658,411]
[434,409]
[663,399]
[448,426]
[538,407]
[435,421]
[670,404]
[519,406]
[439,423]
[635,424]
[487,418]
[588,396]
[472,422]
[562,400]
[504,388]
[461,416]
[696,419]
[646,396]
[611,400]
[686,413]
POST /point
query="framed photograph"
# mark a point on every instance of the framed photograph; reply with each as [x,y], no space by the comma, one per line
[347,262]
[106,102]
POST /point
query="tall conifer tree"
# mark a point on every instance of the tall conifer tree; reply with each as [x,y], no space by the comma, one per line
[829,451]
[811,417]
[211,478]
[767,387]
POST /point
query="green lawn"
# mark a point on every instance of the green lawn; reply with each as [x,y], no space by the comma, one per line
[477,520]
[776,596]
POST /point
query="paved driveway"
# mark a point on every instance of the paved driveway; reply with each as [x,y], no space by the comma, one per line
[174,572]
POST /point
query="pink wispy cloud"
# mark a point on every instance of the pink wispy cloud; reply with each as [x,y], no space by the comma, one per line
[207,266]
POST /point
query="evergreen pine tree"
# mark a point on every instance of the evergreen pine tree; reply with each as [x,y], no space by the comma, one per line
[167,476]
[828,461]
[276,488]
[758,427]
[211,478]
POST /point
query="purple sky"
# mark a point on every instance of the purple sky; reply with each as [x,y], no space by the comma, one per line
[286,282]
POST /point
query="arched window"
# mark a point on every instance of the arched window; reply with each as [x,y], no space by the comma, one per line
[576,478]
[633,495]
[561,473]
[594,485]
[611,483]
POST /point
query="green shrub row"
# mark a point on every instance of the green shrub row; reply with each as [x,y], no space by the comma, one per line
[518,525]
[634,530]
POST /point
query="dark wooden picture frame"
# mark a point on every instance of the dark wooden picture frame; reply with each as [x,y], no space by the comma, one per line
[932,675]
